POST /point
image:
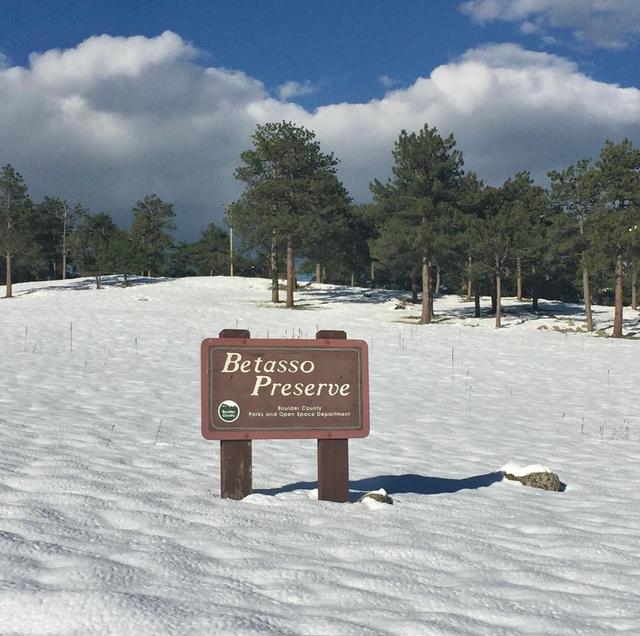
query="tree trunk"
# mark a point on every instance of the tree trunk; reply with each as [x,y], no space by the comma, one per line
[373,274]
[534,292]
[290,274]
[9,282]
[494,302]
[126,280]
[318,272]
[437,279]
[476,301]
[634,286]
[617,319]
[414,289]
[519,278]
[275,292]
[498,296]
[586,292]
[353,279]
[324,274]
[469,280]
[98,281]
[425,317]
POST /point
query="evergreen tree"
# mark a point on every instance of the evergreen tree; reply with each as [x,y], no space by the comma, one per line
[328,236]
[287,180]
[48,231]
[360,231]
[575,191]
[16,222]
[210,253]
[476,202]
[55,221]
[95,246]
[398,255]
[529,203]
[123,254]
[497,237]
[421,199]
[634,250]
[152,221]
[619,176]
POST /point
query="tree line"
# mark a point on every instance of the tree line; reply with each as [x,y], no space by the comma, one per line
[52,239]
[430,226]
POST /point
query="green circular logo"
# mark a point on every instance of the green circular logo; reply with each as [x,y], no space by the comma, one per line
[228,411]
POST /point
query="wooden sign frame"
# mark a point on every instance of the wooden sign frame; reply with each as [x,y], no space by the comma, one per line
[236,469]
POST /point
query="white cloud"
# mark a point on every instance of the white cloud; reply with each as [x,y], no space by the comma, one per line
[603,23]
[102,57]
[510,109]
[528,27]
[107,132]
[292,89]
[386,81]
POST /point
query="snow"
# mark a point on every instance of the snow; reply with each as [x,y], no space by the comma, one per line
[110,515]
[520,471]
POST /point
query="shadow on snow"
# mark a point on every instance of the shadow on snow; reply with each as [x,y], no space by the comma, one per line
[553,309]
[348,294]
[90,283]
[398,484]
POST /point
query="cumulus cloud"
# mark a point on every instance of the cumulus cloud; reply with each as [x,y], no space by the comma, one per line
[117,118]
[292,89]
[386,81]
[604,23]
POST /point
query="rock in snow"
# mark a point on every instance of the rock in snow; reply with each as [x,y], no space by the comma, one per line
[543,480]
[380,496]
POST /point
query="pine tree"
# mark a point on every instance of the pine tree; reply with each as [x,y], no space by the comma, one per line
[211,252]
[476,202]
[575,190]
[55,221]
[288,180]
[420,201]
[152,221]
[95,247]
[530,204]
[16,226]
[619,177]
[329,237]
[122,253]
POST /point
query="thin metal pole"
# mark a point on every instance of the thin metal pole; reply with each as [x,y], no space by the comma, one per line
[230,243]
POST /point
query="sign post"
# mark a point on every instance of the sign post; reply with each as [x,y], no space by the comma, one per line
[284,389]
[333,454]
[236,467]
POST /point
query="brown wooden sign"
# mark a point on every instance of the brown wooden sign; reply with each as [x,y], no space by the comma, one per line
[279,389]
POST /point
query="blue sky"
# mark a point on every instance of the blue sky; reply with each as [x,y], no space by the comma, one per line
[343,48]
[532,84]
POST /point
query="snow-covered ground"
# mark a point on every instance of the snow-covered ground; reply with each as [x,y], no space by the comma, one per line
[110,515]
